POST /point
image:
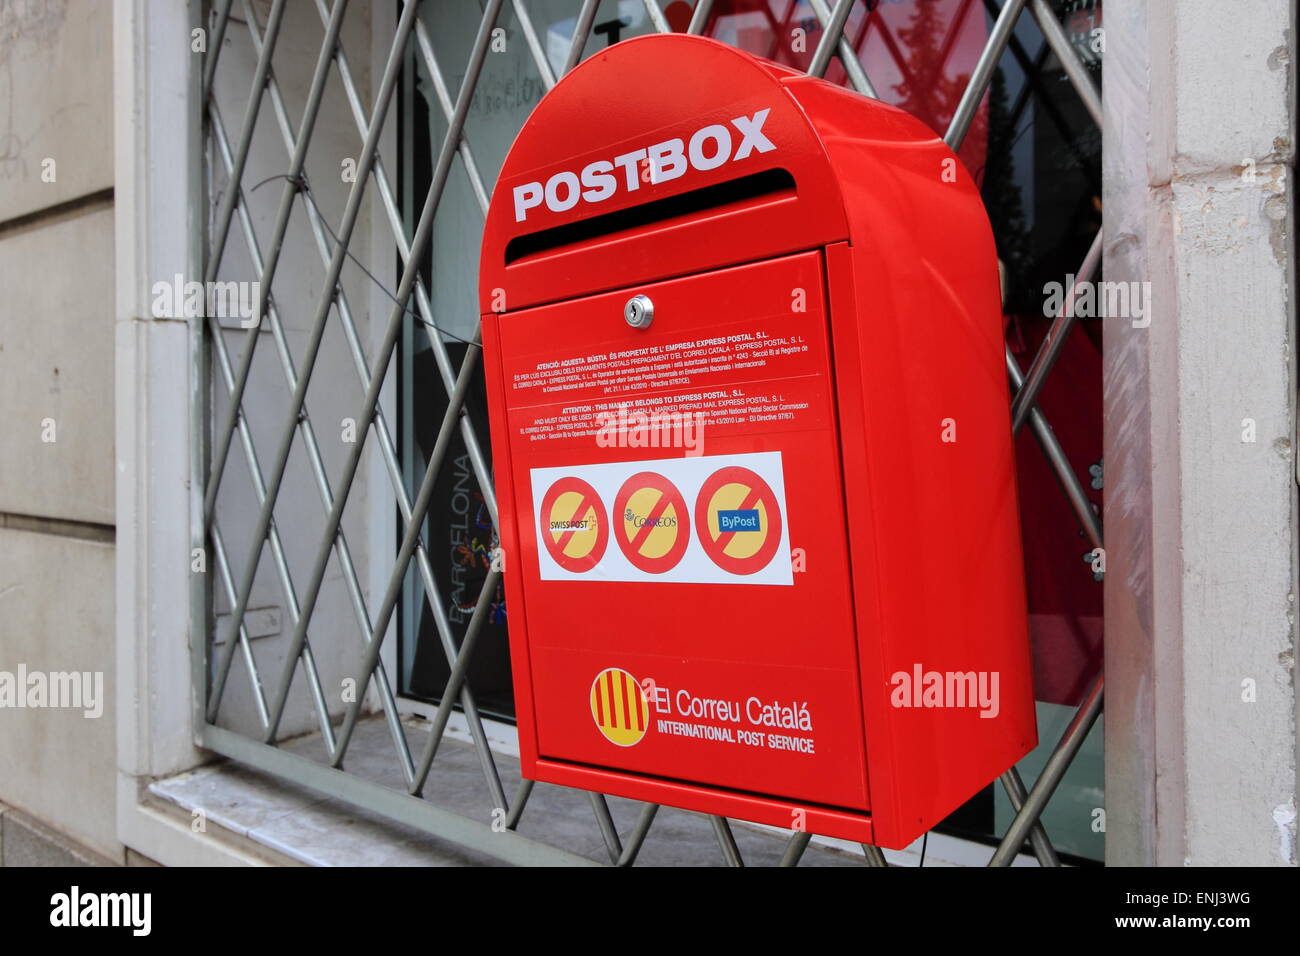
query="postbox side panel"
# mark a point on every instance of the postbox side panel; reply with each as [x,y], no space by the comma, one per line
[509,529]
[681,534]
[930,482]
[929,465]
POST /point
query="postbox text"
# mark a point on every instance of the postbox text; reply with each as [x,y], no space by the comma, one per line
[708,148]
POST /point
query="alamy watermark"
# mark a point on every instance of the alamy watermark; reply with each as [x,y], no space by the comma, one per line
[922,688]
[1099,300]
[179,299]
[133,911]
[637,428]
[67,690]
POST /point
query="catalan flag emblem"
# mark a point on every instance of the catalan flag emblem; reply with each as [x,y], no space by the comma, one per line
[620,707]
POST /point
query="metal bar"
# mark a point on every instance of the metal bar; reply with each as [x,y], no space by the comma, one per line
[200,387]
[656,17]
[227,207]
[1032,68]
[982,75]
[521,800]
[214,49]
[507,845]
[384,353]
[848,56]
[300,393]
[581,30]
[794,848]
[382,432]
[277,550]
[875,856]
[534,44]
[245,646]
[396,576]
[472,445]
[277,556]
[726,841]
[832,34]
[267,275]
[481,194]
[1057,335]
[636,838]
[1043,849]
[1050,777]
[441,357]
[700,16]
[425,47]
[343,552]
[1060,464]
[455,680]
[1075,71]
[250,451]
[467,701]
[608,832]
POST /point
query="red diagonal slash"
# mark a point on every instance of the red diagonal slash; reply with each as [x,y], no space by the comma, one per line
[655,514]
[586,504]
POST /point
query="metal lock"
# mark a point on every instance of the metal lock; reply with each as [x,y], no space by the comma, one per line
[639,312]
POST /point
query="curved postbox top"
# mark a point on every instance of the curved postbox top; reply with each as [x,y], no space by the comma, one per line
[666,155]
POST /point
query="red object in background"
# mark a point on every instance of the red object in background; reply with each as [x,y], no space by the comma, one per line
[1065,600]
[825,303]
[918,54]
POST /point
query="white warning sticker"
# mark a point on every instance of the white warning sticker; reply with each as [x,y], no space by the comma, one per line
[717,519]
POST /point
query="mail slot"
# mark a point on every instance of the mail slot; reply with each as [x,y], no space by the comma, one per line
[752,449]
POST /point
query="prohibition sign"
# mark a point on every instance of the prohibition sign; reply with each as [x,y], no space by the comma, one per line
[574,526]
[737,496]
[651,524]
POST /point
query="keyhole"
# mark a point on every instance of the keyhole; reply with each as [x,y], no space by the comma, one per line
[639,311]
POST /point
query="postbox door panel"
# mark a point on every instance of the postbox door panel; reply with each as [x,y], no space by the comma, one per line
[682,533]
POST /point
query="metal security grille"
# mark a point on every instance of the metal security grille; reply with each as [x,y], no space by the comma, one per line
[224,369]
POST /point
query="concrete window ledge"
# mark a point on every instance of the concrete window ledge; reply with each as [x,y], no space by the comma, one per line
[293,826]
[282,823]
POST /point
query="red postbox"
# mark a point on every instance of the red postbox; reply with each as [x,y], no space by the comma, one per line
[752,449]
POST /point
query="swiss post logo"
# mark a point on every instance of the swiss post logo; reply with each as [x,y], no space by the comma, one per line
[620,707]
[708,148]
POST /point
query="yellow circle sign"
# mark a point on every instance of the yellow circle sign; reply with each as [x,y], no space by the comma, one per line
[738,520]
[574,527]
[650,522]
[620,707]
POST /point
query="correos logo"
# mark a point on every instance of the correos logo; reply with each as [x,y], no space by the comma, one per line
[708,148]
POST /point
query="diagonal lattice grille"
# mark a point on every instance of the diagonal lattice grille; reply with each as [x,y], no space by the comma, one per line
[302,220]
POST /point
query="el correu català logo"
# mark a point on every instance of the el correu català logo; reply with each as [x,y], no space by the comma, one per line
[620,707]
